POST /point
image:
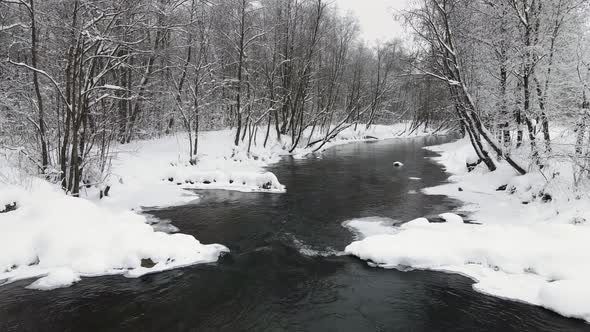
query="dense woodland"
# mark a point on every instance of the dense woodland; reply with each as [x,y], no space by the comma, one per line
[78,76]
[514,69]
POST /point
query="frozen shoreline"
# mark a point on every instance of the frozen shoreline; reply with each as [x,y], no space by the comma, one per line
[536,252]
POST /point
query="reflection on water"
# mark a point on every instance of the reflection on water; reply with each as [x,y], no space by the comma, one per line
[285,272]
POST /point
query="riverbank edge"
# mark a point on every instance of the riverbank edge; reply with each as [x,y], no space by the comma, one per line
[521,245]
[523,199]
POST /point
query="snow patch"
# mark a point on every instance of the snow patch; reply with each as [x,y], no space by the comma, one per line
[364,227]
[544,265]
[190,177]
[57,278]
[60,238]
[416,223]
[569,298]
[451,218]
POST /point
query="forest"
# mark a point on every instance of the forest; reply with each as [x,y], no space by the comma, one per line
[80,76]
[514,70]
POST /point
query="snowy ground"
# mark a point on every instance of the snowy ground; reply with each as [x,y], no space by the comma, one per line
[60,238]
[57,239]
[531,244]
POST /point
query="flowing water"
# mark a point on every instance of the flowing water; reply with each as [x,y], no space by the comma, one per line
[285,271]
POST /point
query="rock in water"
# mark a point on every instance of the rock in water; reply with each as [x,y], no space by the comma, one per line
[397,164]
[147,263]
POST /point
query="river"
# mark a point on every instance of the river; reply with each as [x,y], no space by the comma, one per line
[285,271]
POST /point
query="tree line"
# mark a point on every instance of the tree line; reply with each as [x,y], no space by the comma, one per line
[512,68]
[79,75]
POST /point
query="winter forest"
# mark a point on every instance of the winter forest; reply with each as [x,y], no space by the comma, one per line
[130,129]
[79,76]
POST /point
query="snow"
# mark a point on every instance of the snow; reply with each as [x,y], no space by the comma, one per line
[536,252]
[240,181]
[415,222]
[364,227]
[141,171]
[485,204]
[509,261]
[57,278]
[111,87]
[451,218]
[61,238]
[568,298]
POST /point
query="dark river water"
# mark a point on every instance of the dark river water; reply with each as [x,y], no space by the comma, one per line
[283,272]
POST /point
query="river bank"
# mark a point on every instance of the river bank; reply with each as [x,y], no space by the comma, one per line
[530,243]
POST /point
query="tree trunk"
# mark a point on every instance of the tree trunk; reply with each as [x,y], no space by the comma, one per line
[34,51]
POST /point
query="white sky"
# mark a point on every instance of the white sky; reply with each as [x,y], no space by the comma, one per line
[375,17]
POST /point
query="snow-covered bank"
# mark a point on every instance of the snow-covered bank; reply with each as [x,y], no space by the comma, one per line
[532,244]
[154,173]
[531,199]
[544,265]
[60,239]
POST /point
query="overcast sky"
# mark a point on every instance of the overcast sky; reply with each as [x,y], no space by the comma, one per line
[375,17]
